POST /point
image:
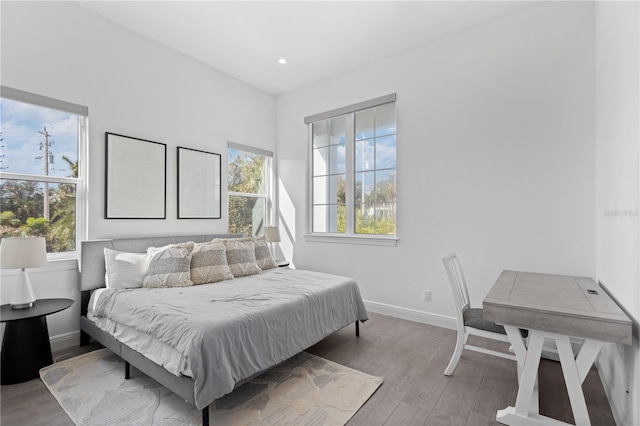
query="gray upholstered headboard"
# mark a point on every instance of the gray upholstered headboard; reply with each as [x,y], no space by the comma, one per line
[92,267]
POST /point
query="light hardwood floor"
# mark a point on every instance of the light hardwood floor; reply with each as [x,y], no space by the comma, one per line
[411,357]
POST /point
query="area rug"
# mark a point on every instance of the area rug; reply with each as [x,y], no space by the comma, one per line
[304,390]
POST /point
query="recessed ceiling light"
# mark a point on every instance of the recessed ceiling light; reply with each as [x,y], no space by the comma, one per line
[282,61]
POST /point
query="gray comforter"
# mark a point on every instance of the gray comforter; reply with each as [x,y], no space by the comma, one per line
[232,330]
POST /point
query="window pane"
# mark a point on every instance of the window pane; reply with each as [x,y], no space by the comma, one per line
[320,190]
[329,218]
[365,222]
[385,186]
[337,218]
[338,160]
[386,152]
[385,218]
[364,155]
[321,161]
[246,215]
[329,189]
[38,140]
[386,119]
[320,215]
[364,122]
[246,172]
[338,130]
[39,209]
[364,187]
[337,189]
[321,134]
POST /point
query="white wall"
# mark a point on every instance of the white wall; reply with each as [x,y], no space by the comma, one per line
[135,87]
[495,159]
[617,191]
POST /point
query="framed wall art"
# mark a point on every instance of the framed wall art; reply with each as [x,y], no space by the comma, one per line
[199,178]
[135,178]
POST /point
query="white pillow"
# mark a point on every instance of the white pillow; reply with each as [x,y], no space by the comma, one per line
[124,270]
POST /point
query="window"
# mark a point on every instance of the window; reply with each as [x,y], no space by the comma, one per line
[353,170]
[249,185]
[42,144]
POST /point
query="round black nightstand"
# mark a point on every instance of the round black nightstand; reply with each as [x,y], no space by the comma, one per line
[25,346]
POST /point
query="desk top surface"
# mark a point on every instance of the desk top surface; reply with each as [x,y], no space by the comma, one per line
[555,302]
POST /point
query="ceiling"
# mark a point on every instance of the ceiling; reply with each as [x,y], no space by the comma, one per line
[319,39]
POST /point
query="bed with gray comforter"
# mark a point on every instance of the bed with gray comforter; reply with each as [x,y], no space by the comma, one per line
[226,332]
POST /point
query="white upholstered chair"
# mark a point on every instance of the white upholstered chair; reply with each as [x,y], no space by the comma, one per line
[469,320]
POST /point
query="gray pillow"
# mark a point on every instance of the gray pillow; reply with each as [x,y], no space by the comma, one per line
[169,266]
[263,254]
[241,256]
[209,263]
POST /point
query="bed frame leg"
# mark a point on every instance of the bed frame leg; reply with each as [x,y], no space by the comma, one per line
[84,338]
[357,329]
[127,370]
[205,416]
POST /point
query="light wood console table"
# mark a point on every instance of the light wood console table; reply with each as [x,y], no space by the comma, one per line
[556,307]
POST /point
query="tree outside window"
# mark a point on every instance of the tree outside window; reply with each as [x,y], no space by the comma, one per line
[248,179]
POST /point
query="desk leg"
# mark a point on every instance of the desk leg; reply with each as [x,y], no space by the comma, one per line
[574,370]
[25,349]
[520,349]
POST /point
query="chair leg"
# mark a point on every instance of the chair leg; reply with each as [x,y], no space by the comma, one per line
[457,353]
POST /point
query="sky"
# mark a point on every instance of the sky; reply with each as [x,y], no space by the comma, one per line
[20,124]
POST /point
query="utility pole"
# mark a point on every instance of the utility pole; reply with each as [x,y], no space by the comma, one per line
[2,167]
[45,160]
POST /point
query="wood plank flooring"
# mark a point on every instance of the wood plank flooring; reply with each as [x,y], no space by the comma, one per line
[411,357]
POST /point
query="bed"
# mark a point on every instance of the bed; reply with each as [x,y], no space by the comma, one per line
[203,341]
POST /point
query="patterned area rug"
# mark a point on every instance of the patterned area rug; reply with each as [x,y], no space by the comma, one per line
[304,390]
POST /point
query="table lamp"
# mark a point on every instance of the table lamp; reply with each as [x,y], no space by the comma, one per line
[22,253]
[272,233]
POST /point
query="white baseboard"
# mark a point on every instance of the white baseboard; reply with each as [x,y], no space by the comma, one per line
[411,314]
[65,340]
[549,350]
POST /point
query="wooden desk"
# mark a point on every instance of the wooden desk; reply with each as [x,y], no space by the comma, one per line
[554,307]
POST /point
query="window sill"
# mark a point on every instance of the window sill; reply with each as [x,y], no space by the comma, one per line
[58,264]
[372,240]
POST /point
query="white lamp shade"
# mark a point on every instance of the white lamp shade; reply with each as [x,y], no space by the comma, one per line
[19,253]
[272,233]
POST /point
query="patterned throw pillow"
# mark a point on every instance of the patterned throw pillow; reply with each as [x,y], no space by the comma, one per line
[169,266]
[209,263]
[241,256]
[263,254]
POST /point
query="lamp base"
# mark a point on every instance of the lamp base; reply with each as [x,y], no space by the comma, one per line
[22,296]
[22,305]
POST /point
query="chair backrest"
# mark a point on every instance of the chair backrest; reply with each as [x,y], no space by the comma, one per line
[458,284]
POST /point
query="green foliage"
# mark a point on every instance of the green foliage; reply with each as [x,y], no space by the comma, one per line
[22,206]
[246,175]
[379,199]
[36,227]
[8,219]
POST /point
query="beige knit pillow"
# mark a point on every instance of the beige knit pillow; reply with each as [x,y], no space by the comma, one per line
[241,256]
[209,263]
[263,254]
[169,266]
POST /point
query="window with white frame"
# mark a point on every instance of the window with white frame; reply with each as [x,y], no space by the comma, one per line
[43,143]
[353,170]
[249,189]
